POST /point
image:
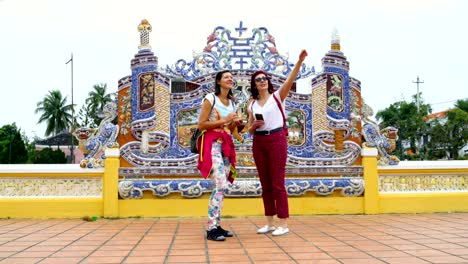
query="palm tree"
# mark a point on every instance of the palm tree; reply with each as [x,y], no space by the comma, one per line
[97,99]
[55,112]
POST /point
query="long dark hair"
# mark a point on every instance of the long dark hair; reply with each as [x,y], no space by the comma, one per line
[253,86]
[219,75]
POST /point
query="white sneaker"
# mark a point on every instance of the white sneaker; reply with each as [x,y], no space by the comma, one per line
[265,229]
[280,231]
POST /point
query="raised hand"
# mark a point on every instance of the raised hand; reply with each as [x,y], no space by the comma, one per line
[303,55]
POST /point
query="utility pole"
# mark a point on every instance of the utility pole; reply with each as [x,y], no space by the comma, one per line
[73,111]
[417,82]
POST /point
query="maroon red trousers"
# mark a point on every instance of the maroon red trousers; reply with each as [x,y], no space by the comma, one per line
[270,154]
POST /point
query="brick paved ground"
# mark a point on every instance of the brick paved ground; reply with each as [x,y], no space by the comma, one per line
[408,238]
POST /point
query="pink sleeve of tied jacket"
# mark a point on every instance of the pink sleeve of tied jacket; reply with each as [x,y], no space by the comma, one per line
[228,149]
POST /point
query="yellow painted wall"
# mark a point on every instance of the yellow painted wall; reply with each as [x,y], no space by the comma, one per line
[371,181]
[176,206]
[423,202]
[173,207]
[50,208]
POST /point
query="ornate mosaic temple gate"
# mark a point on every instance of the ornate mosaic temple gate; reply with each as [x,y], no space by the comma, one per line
[153,172]
[158,111]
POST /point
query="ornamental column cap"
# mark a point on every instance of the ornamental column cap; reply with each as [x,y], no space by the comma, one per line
[335,40]
[144,28]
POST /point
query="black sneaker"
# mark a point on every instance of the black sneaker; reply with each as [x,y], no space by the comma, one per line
[214,235]
[225,233]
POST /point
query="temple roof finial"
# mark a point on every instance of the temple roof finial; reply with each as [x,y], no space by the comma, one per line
[144,28]
[335,41]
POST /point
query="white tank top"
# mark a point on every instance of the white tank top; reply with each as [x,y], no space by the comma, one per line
[222,109]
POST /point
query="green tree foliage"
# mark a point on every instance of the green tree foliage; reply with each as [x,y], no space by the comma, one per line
[96,101]
[457,127]
[85,117]
[462,104]
[12,146]
[409,121]
[447,139]
[49,156]
[30,146]
[438,144]
[443,138]
[55,112]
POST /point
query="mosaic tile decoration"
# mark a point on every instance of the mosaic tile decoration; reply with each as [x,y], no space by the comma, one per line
[347,186]
[224,50]
[423,183]
[94,142]
[50,187]
[161,132]
[313,148]
[165,170]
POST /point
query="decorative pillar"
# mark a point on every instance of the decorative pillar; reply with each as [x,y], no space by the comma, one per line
[110,183]
[371,181]
[144,67]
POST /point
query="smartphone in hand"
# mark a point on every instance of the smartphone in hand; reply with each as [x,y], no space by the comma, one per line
[259,117]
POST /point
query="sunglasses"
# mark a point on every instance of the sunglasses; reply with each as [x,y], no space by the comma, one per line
[261,79]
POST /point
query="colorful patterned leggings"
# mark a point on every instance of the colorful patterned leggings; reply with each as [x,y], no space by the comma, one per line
[219,173]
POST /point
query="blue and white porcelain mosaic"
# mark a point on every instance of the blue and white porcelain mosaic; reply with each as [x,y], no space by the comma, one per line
[242,54]
[224,50]
[345,186]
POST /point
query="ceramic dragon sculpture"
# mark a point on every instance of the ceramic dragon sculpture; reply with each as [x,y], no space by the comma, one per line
[94,141]
[384,140]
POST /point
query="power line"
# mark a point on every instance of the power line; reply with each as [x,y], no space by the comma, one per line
[448,101]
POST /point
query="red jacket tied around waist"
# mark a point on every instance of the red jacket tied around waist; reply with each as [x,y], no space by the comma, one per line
[205,143]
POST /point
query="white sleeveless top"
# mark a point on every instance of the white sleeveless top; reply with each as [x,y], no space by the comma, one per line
[222,109]
[270,111]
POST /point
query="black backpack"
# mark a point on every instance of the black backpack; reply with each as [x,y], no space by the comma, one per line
[198,133]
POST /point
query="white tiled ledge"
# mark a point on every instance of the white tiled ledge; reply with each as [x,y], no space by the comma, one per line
[429,164]
[369,152]
[46,168]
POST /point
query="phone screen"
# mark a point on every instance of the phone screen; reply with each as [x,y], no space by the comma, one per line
[258,116]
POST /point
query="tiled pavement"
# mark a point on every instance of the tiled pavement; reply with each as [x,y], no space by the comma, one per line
[407,238]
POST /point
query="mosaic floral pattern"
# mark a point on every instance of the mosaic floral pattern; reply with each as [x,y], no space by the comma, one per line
[423,183]
[345,186]
[47,188]
[165,170]
[355,112]
[224,49]
[125,113]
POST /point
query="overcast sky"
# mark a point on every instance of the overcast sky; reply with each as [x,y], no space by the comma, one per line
[388,44]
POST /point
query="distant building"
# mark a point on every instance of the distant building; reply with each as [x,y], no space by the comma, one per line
[61,141]
[442,118]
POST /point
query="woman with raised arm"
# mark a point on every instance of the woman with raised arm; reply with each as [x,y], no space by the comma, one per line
[270,146]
